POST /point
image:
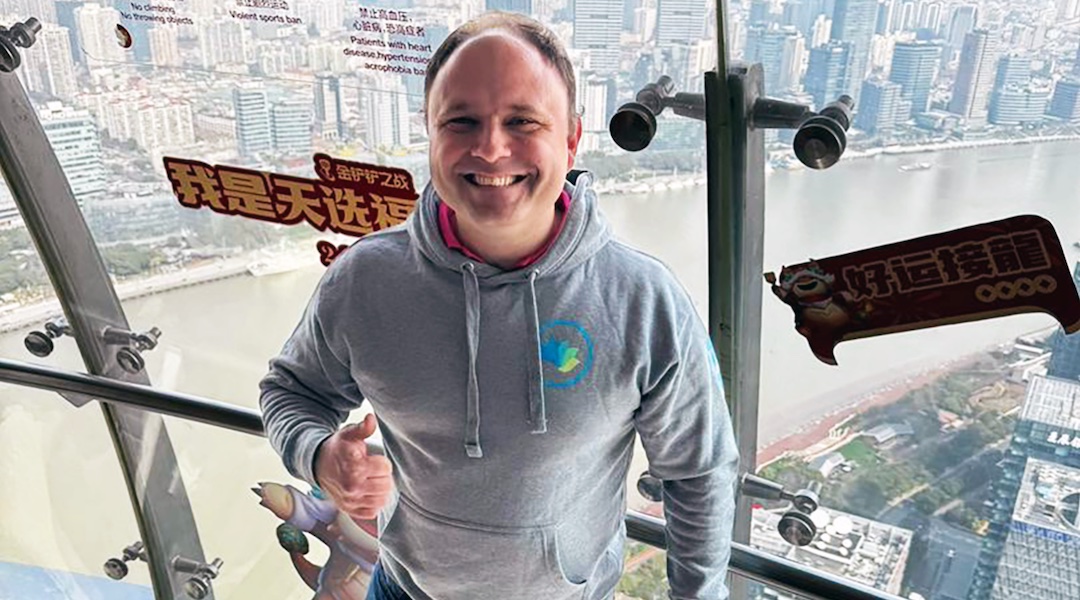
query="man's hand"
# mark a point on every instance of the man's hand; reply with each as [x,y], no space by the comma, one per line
[359,484]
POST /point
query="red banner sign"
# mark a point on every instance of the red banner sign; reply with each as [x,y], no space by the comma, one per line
[991,270]
[348,197]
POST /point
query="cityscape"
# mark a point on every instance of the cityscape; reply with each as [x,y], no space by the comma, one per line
[967,487]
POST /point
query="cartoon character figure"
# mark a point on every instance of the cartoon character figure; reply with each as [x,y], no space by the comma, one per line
[822,316]
[324,167]
[354,547]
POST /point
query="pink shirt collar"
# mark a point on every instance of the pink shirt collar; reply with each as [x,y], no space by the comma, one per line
[448,228]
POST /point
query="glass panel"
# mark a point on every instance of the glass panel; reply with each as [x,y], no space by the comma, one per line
[644,573]
[961,113]
[66,508]
[221,468]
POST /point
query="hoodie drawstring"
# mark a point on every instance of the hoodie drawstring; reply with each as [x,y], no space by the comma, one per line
[537,404]
[472,334]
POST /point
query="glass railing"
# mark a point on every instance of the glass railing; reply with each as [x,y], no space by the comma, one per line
[229,517]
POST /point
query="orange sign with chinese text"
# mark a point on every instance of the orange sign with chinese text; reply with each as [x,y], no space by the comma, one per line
[1006,267]
[348,197]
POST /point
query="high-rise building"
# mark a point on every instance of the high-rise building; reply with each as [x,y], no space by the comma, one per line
[387,112]
[881,107]
[253,134]
[330,114]
[928,16]
[853,22]
[1065,103]
[224,41]
[915,67]
[597,25]
[975,77]
[47,66]
[826,72]
[1019,104]
[74,137]
[165,47]
[1013,70]
[963,21]
[290,122]
[595,95]
[759,12]
[96,26]
[328,16]
[1032,506]
[1076,63]
[1065,356]
[779,50]
[65,17]
[517,6]
[679,22]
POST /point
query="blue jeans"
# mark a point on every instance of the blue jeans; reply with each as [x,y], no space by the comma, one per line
[384,588]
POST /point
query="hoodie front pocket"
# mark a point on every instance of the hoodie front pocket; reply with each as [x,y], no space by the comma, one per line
[450,559]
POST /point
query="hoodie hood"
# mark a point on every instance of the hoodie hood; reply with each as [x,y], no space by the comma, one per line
[583,234]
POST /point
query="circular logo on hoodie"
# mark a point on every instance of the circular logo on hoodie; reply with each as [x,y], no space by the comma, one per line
[566,353]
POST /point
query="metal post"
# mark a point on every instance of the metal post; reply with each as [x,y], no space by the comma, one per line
[63,240]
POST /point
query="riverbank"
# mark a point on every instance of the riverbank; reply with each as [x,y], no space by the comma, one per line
[785,159]
[17,317]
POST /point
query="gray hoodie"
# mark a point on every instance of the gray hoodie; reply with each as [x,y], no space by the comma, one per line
[508,403]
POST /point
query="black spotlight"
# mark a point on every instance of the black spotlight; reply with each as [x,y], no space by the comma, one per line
[821,139]
[633,126]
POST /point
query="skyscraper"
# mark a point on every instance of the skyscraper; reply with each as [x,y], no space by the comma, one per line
[1017,104]
[779,50]
[252,110]
[97,35]
[975,77]
[329,107]
[597,24]
[1033,513]
[1065,104]
[1065,357]
[47,66]
[74,137]
[915,67]
[290,123]
[853,22]
[387,114]
[881,107]
[679,22]
[827,71]
[165,47]
[963,21]
[1067,9]
[1013,70]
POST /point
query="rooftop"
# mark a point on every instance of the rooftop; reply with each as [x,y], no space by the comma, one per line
[1049,497]
[847,545]
[1053,401]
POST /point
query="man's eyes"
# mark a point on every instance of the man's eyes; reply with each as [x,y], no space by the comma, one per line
[517,122]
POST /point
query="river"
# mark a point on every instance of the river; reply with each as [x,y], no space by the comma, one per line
[218,337]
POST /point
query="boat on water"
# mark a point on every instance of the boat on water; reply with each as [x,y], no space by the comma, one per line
[280,264]
[919,166]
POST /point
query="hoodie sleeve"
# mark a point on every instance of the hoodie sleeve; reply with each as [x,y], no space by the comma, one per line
[686,431]
[309,390]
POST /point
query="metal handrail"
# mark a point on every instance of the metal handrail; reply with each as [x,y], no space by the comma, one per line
[745,561]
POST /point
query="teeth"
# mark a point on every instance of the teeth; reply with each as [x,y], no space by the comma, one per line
[493,181]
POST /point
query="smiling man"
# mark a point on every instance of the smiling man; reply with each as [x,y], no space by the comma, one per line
[511,350]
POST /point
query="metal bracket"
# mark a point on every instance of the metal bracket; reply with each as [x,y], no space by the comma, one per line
[20,35]
[116,568]
[202,574]
[127,357]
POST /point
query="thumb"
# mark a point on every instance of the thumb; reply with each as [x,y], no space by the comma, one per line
[358,432]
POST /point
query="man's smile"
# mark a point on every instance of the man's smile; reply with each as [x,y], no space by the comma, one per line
[480,180]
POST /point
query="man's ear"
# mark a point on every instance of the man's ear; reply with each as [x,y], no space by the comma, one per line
[572,143]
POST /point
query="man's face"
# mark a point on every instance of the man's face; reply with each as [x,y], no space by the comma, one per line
[501,140]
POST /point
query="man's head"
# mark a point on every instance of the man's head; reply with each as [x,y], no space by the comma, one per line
[499,100]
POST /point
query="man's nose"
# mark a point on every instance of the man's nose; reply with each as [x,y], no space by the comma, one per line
[491,144]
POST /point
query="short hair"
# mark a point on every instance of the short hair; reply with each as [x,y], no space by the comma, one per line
[527,29]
